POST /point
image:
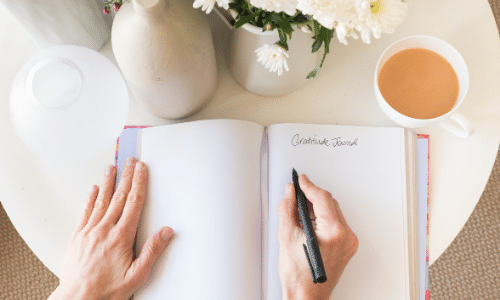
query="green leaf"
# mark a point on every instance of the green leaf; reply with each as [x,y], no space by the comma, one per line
[283,24]
[317,45]
[282,36]
[312,74]
[328,35]
[243,20]
[317,28]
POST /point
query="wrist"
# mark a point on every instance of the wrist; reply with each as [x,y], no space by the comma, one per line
[62,293]
[303,295]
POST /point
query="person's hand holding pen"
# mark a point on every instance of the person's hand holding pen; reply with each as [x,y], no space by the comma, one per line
[337,243]
[100,263]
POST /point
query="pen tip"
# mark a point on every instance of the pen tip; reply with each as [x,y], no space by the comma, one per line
[295,178]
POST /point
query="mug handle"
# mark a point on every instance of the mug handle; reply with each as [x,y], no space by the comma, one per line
[461,126]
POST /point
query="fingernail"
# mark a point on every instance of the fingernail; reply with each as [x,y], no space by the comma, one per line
[130,161]
[109,170]
[167,233]
[288,188]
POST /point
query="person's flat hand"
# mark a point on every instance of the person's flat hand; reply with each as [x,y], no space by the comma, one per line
[100,261]
[337,243]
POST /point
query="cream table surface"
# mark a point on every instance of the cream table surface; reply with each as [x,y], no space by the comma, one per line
[43,200]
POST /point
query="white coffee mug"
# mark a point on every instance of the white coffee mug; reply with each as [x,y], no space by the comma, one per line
[452,121]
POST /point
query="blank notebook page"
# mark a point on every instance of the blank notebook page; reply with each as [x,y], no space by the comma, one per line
[205,184]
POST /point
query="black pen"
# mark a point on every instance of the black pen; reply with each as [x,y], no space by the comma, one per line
[313,255]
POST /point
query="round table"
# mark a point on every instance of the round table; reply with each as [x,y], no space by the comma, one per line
[43,199]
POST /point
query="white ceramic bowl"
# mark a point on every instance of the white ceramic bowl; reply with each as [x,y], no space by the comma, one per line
[69,103]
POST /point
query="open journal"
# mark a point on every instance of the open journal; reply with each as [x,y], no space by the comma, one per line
[218,183]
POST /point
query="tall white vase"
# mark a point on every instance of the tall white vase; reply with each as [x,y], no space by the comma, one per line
[53,23]
[165,51]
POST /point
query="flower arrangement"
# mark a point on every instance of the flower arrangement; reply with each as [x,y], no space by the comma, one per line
[323,18]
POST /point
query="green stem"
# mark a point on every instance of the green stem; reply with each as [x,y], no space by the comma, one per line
[323,59]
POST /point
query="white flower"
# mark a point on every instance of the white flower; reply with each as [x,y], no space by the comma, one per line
[380,16]
[273,58]
[326,12]
[344,30]
[208,5]
[288,6]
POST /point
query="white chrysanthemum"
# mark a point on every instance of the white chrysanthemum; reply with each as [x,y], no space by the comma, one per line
[344,30]
[326,12]
[208,5]
[380,16]
[287,6]
[273,57]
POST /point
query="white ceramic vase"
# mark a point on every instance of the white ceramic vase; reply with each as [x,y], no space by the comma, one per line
[55,23]
[165,51]
[252,75]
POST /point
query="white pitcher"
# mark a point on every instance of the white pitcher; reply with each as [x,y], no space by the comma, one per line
[165,51]
[252,75]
